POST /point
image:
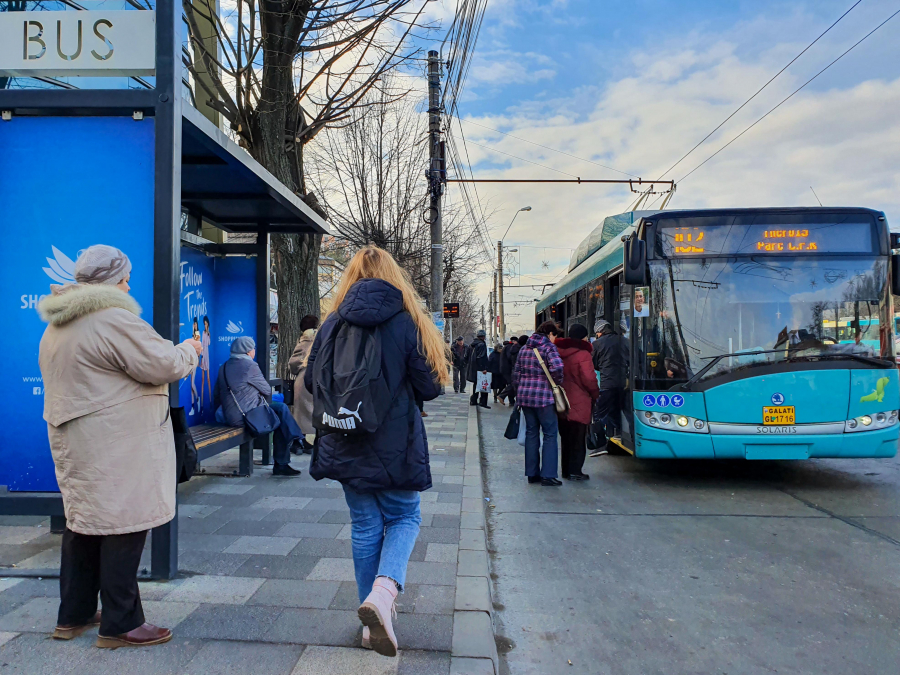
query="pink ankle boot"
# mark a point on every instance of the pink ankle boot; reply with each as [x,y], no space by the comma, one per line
[376,613]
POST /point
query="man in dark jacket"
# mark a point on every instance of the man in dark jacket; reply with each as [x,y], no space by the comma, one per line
[458,352]
[610,360]
[395,457]
[241,387]
[508,365]
[478,363]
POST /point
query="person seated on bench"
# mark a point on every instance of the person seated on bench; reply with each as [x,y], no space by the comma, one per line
[250,389]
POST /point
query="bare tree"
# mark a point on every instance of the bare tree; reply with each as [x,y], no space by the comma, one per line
[371,176]
[281,71]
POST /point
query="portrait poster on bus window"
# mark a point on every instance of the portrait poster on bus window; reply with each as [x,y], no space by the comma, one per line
[642,301]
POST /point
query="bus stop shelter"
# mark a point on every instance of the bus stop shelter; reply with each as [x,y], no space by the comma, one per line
[129,168]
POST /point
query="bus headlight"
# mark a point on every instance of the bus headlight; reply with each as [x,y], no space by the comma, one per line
[673,423]
[881,420]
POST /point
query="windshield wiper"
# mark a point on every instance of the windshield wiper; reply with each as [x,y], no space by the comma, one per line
[716,359]
[862,358]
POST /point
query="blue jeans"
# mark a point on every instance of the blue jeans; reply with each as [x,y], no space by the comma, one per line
[384,528]
[286,433]
[537,419]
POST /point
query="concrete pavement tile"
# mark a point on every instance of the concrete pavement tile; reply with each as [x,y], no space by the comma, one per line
[472,520]
[231,513]
[263,545]
[337,517]
[206,525]
[454,480]
[424,663]
[225,489]
[230,622]
[33,654]
[428,497]
[316,627]
[251,528]
[473,635]
[449,498]
[167,614]
[466,666]
[335,569]
[16,535]
[6,637]
[216,590]
[38,615]
[318,660]
[347,597]
[324,548]
[449,488]
[419,551]
[166,659]
[207,562]
[281,503]
[249,500]
[430,599]
[445,521]
[215,543]
[157,590]
[323,504]
[441,574]
[469,504]
[441,553]
[346,532]
[48,559]
[473,594]
[310,530]
[472,540]
[196,510]
[424,631]
[445,509]
[473,564]
[241,658]
[293,593]
[295,515]
[439,535]
[277,566]
[427,519]
[472,492]
[8,583]
[470,480]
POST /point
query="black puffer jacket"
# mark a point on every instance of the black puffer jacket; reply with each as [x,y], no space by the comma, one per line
[396,456]
[478,360]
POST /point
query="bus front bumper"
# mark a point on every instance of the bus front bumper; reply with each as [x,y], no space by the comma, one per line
[655,443]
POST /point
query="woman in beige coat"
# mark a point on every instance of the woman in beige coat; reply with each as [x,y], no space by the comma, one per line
[303,402]
[106,374]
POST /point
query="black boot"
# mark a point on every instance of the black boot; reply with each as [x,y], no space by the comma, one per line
[285,470]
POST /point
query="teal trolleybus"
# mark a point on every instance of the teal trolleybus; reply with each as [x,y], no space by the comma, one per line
[752,333]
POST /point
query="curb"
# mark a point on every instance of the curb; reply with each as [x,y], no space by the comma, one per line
[473,651]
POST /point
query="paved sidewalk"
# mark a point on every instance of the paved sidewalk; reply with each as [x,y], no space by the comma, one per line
[266,580]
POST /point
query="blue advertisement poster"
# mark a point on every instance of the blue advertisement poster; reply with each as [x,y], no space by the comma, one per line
[65,184]
[218,305]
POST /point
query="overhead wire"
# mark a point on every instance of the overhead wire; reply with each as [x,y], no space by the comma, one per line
[771,79]
[791,95]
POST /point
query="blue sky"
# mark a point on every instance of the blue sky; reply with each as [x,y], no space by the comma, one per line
[635,84]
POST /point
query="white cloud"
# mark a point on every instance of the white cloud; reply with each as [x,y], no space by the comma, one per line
[841,141]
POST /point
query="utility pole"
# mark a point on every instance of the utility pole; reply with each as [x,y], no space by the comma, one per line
[500,290]
[436,177]
[491,313]
[482,317]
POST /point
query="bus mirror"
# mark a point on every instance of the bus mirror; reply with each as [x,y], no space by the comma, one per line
[635,262]
[895,275]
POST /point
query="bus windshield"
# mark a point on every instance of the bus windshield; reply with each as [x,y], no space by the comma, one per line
[760,310]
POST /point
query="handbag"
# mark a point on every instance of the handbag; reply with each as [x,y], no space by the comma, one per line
[260,420]
[483,384]
[559,394]
[522,428]
[185,450]
[512,427]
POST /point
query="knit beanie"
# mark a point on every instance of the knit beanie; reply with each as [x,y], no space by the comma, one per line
[101,264]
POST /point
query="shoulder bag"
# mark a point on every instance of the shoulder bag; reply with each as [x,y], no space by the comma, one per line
[259,421]
[559,394]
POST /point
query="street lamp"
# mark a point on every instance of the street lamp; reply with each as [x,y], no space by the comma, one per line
[500,273]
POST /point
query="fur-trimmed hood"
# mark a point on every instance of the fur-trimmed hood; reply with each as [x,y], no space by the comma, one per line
[74,301]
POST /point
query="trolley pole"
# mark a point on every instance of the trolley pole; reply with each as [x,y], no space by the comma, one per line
[500,291]
[435,181]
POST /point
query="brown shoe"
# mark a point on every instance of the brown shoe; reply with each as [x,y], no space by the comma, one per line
[69,632]
[142,636]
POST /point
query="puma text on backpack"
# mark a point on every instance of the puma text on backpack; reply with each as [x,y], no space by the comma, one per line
[350,394]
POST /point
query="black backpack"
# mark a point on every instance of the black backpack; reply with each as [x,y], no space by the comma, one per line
[350,394]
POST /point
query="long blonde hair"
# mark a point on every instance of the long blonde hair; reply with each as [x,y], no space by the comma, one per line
[372,262]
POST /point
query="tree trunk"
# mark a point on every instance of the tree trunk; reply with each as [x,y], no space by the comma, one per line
[296,261]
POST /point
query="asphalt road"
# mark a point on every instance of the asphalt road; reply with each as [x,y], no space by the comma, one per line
[694,567]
